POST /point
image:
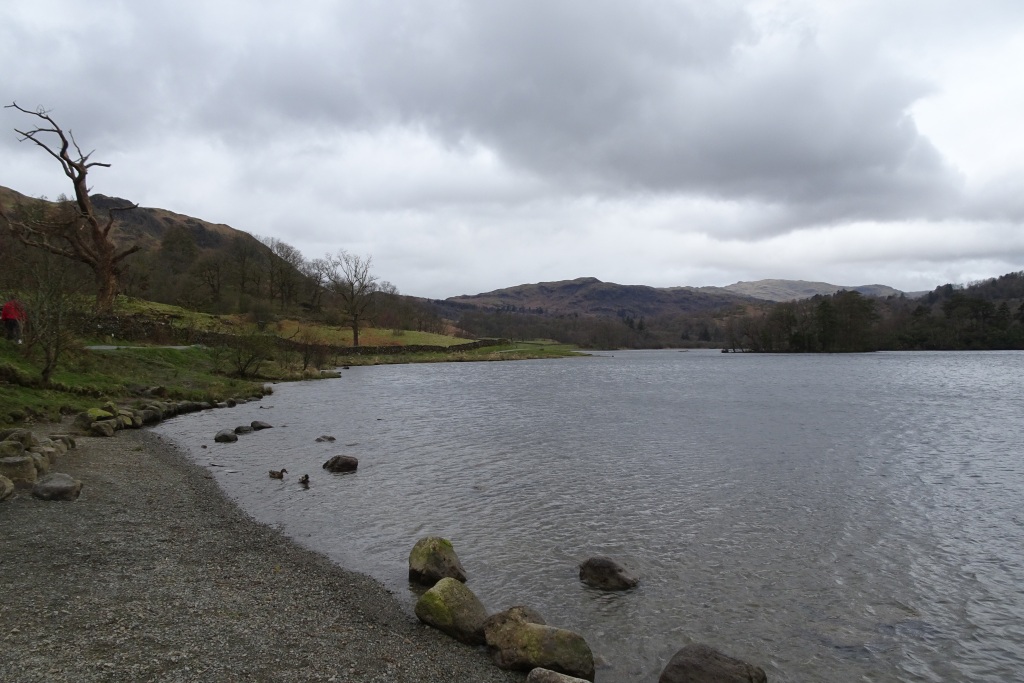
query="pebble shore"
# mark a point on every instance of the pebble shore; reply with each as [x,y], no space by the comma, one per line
[154,575]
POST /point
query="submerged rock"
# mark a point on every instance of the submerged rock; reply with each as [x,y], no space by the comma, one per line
[225,436]
[606,574]
[703,664]
[260,424]
[433,558]
[341,463]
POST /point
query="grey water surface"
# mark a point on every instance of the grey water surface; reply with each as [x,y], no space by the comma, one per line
[827,517]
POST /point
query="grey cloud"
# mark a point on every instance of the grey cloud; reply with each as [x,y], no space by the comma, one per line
[601,96]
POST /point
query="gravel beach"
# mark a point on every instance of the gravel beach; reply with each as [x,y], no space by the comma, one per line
[154,575]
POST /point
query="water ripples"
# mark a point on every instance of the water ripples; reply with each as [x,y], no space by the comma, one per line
[826,517]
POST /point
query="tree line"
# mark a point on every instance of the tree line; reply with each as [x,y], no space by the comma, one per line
[986,315]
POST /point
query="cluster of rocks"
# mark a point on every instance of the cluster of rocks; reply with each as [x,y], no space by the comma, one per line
[231,435]
[339,463]
[520,639]
[109,418]
[26,461]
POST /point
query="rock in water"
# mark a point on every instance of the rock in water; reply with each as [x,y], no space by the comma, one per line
[57,487]
[606,574]
[703,664]
[225,436]
[432,559]
[341,463]
[520,644]
[452,608]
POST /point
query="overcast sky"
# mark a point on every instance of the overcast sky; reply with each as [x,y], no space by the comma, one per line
[470,145]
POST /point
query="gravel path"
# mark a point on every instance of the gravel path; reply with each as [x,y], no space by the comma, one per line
[153,575]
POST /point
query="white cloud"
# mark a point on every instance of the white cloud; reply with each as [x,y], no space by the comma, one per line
[469,146]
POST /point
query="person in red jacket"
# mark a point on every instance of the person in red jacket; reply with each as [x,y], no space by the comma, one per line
[13,316]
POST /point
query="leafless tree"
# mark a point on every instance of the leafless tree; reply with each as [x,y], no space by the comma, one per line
[73,229]
[357,288]
[315,272]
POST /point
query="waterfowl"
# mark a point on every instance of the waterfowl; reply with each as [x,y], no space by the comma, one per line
[277,474]
[304,480]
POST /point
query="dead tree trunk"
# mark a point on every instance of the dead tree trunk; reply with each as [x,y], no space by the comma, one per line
[74,230]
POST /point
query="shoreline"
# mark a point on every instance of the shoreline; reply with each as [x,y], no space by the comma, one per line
[154,574]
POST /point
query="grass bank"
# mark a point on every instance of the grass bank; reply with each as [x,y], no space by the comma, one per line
[87,377]
[84,377]
[524,350]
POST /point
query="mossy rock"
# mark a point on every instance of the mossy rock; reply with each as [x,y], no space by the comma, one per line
[10,449]
[20,469]
[85,419]
[452,608]
[433,558]
[522,645]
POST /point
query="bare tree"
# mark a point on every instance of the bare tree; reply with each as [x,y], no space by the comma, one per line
[351,280]
[75,230]
[51,298]
[316,280]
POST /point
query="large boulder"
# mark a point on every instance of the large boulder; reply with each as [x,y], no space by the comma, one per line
[58,446]
[48,452]
[539,675]
[517,643]
[225,436]
[65,439]
[104,427]
[6,487]
[84,420]
[432,559]
[11,449]
[606,574]
[244,429]
[41,463]
[23,436]
[20,469]
[57,487]
[703,664]
[342,463]
[453,609]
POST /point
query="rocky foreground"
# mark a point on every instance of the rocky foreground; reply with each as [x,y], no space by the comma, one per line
[153,575]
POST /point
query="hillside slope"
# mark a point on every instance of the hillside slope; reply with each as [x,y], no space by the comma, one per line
[590,296]
[790,290]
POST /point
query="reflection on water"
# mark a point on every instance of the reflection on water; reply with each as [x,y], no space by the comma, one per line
[826,517]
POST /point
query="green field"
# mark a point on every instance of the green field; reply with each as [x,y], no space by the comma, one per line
[86,377]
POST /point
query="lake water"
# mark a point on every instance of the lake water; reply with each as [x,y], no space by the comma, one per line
[827,517]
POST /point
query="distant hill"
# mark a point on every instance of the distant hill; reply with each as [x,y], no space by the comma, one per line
[590,296]
[790,290]
[147,227]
